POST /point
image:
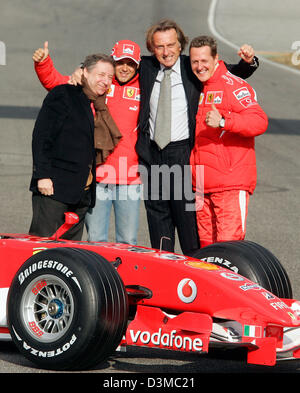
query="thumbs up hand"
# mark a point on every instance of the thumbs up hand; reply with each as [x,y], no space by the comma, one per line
[41,54]
[213,117]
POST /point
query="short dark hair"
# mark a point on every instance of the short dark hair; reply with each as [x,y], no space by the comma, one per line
[205,40]
[91,60]
[164,25]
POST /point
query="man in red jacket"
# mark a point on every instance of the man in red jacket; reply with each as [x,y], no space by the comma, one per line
[228,119]
[118,181]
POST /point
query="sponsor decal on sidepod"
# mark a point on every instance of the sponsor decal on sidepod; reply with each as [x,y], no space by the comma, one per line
[187,290]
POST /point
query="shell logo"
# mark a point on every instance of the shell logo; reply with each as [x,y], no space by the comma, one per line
[38,249]
[203,265]
[187,290]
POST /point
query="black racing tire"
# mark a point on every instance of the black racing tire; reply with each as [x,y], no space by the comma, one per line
[252,261]
[67,309]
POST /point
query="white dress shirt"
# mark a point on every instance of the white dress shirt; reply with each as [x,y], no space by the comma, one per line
[179,127]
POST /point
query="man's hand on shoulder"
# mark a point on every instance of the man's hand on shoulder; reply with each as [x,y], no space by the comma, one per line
[76,77]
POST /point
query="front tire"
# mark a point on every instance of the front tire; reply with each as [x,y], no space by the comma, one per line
[67,309]
[252,261]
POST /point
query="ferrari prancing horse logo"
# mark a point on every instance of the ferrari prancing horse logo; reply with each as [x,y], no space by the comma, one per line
[131,93]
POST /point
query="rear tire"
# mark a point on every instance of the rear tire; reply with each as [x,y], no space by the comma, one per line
[67,309]
[252,261]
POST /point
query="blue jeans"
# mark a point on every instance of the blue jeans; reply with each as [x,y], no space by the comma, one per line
[126,202]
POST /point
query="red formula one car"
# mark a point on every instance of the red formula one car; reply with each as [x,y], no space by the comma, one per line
[68,305]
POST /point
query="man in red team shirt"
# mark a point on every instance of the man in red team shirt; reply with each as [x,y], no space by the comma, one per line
[118,181]
[228,119]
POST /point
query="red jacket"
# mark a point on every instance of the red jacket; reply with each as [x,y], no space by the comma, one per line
[121,166]
[227,155]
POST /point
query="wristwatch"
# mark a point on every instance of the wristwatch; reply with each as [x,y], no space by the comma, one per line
[222,123]
[255,62]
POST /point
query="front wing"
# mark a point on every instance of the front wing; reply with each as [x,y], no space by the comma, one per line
[196,332]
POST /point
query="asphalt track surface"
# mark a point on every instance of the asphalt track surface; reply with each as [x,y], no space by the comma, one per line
[74,29]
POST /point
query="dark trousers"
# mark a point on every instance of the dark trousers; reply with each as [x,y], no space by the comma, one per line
[48,216]
[169,200]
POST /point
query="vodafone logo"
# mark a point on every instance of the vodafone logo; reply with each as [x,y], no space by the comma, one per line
[187,290]
[166,339]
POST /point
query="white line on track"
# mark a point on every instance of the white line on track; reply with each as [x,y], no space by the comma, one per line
[214,31]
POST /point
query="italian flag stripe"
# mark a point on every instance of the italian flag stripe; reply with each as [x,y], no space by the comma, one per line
[252,331]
